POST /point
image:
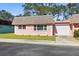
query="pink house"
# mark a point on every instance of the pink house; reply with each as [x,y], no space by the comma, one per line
[45,26]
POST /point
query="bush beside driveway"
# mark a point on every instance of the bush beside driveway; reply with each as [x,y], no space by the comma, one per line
[13,36]
[76,34]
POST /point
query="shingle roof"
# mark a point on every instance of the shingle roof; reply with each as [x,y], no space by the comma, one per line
[74,18]
[32,20]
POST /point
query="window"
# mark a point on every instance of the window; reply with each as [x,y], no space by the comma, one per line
[21,27]
[40,27]
[24,27]
[45,27]
[34,27]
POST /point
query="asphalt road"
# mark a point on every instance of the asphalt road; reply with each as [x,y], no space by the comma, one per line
[13,49]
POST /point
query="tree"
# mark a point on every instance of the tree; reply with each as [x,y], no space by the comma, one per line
[28,8]
[19,15]
[51,9]
[77,8]
[71,8]
[43,9]
[5,15]
[38,8]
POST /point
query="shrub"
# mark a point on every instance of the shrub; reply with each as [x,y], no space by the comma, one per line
[76,33]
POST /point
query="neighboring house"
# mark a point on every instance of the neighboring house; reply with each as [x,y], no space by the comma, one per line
[5,26]
[45,26]
[74,19]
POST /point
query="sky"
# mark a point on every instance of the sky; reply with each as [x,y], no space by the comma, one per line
[13,8]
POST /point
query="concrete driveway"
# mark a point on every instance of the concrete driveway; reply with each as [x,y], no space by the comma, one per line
[13,49]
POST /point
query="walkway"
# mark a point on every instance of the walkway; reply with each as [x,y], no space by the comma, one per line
[64,39]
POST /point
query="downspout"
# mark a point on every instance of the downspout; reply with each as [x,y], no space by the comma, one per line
[71,27]
[53,28]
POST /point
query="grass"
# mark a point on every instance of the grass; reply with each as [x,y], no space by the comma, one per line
[13,36]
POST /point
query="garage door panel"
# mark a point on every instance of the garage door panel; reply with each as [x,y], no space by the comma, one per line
[63,30]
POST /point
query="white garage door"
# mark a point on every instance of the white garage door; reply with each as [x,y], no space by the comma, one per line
[63,30]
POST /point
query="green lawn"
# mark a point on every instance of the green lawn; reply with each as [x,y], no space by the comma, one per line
[13,36]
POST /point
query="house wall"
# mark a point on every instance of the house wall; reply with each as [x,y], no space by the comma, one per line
[6,29]
[30,31]
[76,26]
